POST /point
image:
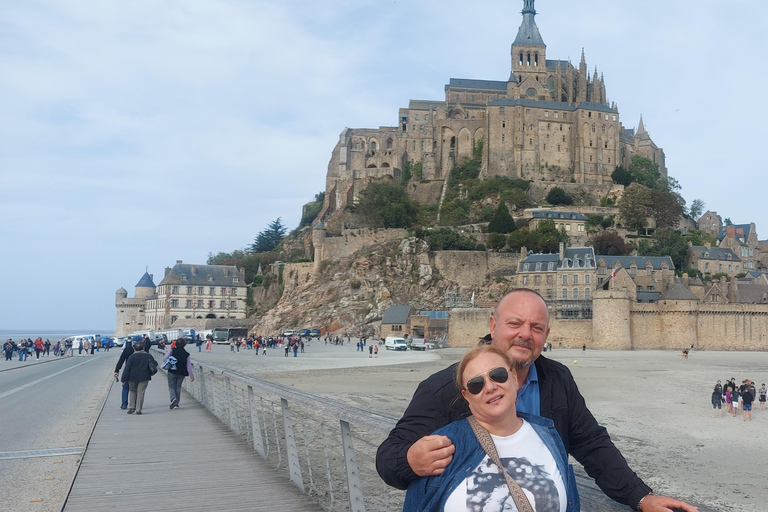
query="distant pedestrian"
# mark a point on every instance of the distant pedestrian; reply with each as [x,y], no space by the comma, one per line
[47,346]
[178,370]
[295,349]
[38,348]
[138,375]
[232,345]
[763,391]
[86,344]
[717,401]
[80,347]
[370,351]
[376,351]
[746,404]
[8,350]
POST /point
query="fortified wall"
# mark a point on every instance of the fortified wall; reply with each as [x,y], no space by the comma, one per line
[620,324]
[474,268]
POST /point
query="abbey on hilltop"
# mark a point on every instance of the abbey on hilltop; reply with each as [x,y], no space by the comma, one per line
[550,121]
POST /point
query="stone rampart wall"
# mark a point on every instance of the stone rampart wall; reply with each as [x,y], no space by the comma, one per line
[467,325]
[296,274]
[571,333]
[353,240]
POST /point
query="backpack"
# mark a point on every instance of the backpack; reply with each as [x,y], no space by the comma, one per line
[170,363]
[152,366]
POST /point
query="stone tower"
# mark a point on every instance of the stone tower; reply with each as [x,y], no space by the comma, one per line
[131,312]
[611,328]
[318,240]
[529,53]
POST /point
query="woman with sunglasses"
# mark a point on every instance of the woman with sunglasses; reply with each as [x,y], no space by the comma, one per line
[528,447]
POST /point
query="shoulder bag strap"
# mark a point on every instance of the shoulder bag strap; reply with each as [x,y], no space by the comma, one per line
[484,437]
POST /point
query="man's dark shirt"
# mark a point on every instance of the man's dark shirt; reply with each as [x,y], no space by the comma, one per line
[124,355]
[437,402]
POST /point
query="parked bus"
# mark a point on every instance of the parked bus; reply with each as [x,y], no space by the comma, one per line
[223,334]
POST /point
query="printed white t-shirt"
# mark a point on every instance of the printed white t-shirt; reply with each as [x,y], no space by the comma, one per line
[529,462]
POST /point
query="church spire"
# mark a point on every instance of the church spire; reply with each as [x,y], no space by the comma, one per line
[641,126]
[528,34]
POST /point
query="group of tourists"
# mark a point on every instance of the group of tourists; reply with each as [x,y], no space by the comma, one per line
[26,347]
[140,366]
[737,397]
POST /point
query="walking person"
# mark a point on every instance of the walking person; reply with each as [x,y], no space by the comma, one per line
[717,400]
[735,398]
[180,367]
[47,347]
[728,400]
[137,374]
[38,348]
[209,343]
[124,355]
[8,349]
[376,351]
[86,345]
[763,392]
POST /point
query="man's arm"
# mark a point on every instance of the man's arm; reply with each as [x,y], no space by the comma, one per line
[435,403]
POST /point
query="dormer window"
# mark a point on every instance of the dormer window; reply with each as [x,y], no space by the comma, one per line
[210,279]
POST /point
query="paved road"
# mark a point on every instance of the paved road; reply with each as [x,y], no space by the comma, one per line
[47,412]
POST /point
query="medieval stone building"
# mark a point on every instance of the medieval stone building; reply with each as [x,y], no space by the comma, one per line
[550,120]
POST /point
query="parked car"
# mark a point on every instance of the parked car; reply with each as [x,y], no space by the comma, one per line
[304,333]
[314,333]
[421,344]
[395,343]
[290,333]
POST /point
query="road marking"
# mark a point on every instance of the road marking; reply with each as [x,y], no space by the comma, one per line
[38,381]
[51,452]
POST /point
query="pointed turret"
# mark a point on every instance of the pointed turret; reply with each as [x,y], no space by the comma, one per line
[528,34]
[641,126]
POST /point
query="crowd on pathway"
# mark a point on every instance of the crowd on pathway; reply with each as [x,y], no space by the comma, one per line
[737,398]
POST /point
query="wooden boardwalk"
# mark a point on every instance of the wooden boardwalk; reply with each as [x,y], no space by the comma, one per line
[182,459]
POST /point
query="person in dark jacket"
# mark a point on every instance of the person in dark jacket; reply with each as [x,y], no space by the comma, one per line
[124,355]
[136,374]
[519,326]
[179,369]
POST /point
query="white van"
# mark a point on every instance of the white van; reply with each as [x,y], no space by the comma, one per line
[395,343]
[78,340]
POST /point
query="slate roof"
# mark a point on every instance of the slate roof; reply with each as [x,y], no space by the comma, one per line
[584,257]
[714,253]
[678,292]
[555,105]
[396,315]
[528,34]
[742,231]
[145,281]
[559,215]
[207,275]
[752,293]
[640,261]
[468,83]
[553,64]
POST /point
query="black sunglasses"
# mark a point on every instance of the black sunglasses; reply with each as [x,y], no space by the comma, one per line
[476,384]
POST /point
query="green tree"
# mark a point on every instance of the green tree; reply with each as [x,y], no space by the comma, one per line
[666,208]
[469,168]
[697,208]
[610,243]
[496,241]
[635,206]
[621,176]
[311,210]
[666,242]
[270,238]
[383,205]
[558,196]
[444,239]
[502,221]
[521,238]
[644,171]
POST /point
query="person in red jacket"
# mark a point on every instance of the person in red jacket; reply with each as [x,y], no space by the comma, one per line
[38,348]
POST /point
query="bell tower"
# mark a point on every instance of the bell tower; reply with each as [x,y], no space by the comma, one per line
[529,55]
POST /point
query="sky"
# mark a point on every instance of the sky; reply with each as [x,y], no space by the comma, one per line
[135,133]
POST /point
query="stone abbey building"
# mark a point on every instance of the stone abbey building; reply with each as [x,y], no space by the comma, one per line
[550,120]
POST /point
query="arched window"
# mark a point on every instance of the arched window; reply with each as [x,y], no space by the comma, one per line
[593,127]
[536,59]
[603,129]
[565,293]
[389,143]
[521,58]
[373,146]
[528,59]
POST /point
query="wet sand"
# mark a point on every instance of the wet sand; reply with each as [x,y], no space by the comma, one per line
[655,406]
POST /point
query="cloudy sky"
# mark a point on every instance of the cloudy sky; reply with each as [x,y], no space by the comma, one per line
[136,133]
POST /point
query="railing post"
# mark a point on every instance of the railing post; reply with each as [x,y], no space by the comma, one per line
[233,425]
[292,453]
[354,486]
[203,398]
[258,442]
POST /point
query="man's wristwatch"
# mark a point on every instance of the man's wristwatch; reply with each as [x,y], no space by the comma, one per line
[641,500]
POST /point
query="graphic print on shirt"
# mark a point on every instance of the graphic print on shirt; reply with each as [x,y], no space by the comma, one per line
[487,489]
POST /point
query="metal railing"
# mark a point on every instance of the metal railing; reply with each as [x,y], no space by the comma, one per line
[326,447]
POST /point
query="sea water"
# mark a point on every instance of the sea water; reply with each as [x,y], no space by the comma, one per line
[54,335]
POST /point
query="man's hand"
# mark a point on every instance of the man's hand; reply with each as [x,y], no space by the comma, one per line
[116,375]
[656,503]
[430,455]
